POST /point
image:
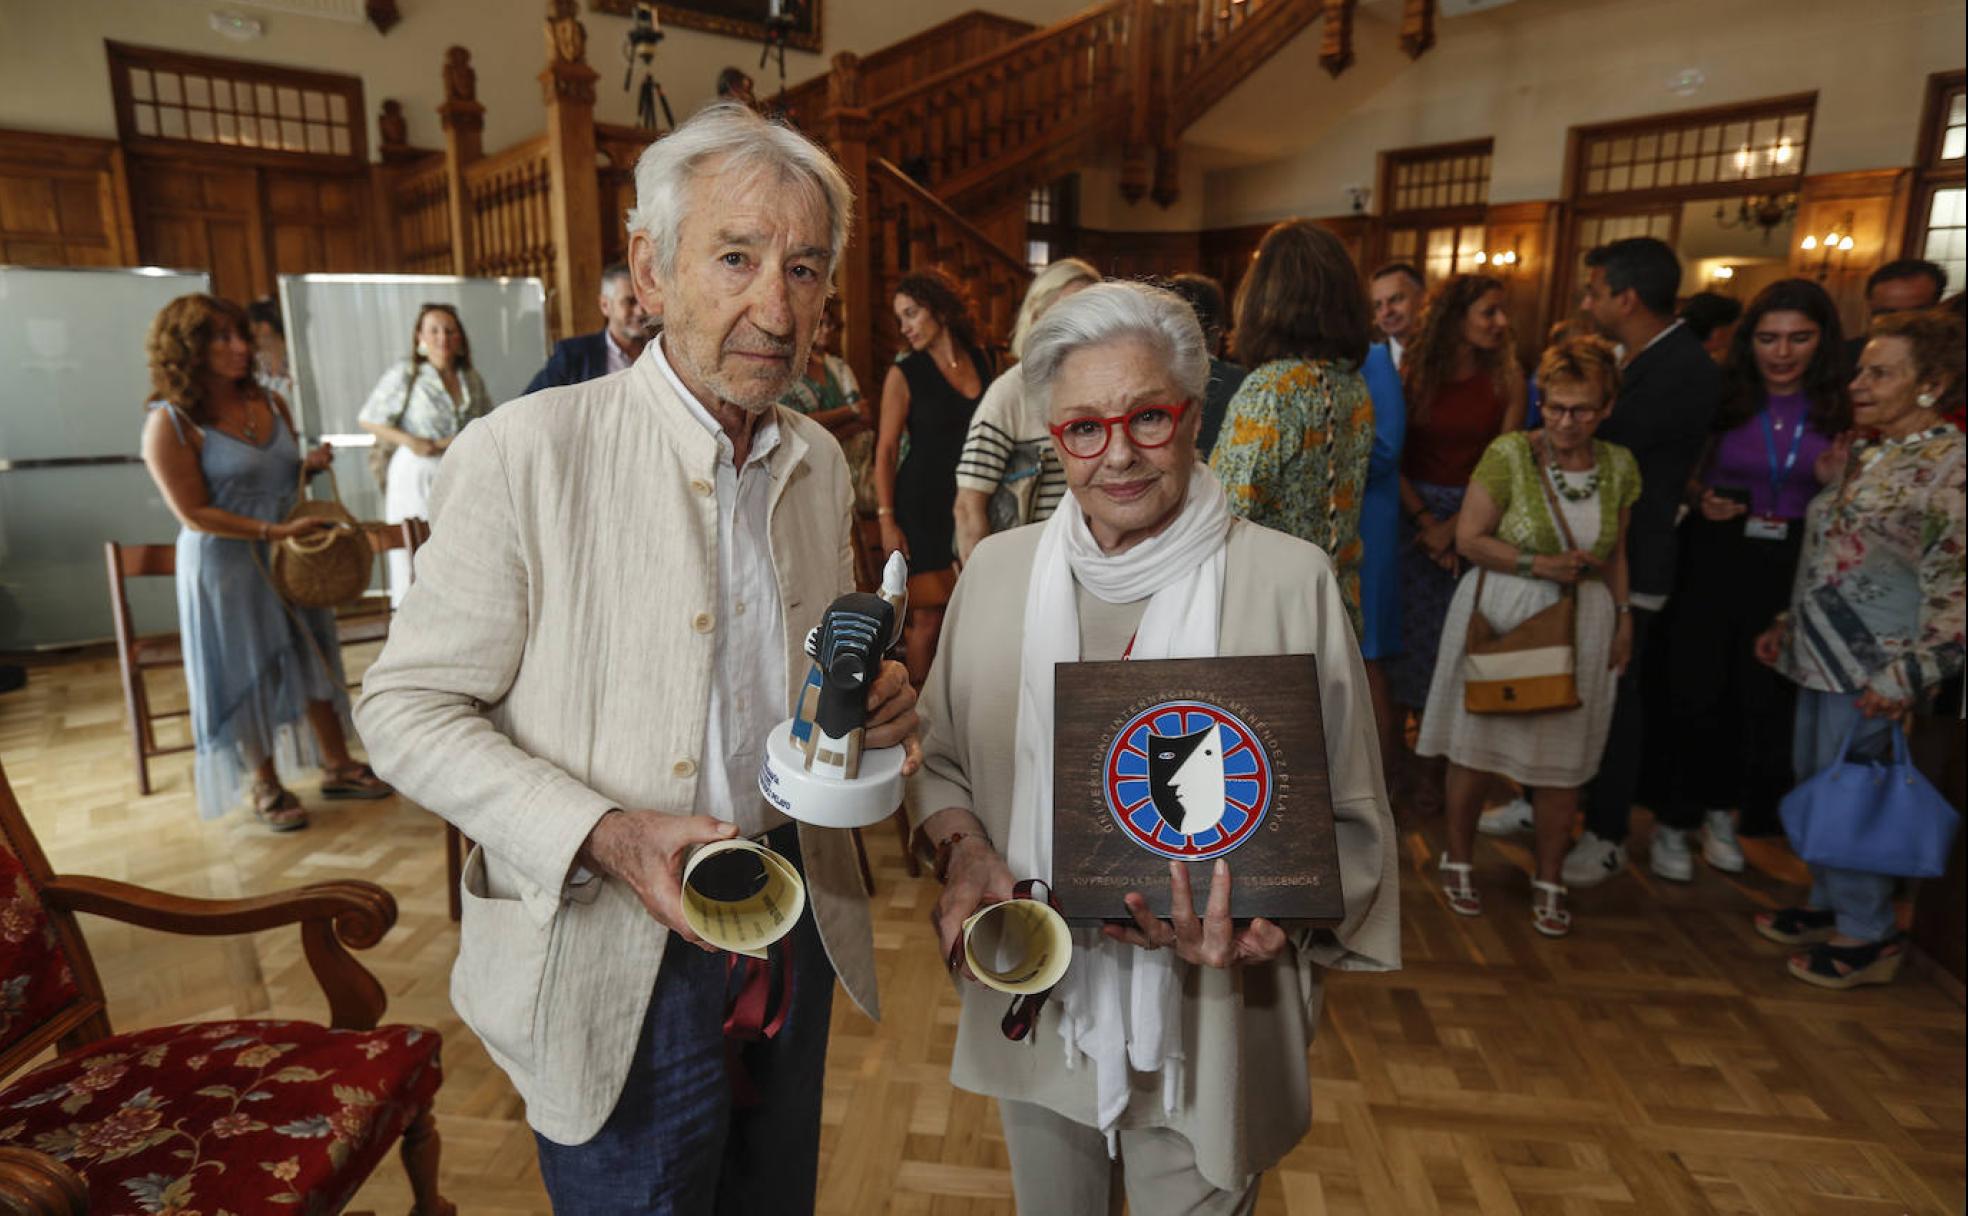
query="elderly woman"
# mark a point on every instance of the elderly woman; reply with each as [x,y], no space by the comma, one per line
[415,412]
[1144,559]
[225,454]
[1546,509]
[1300,431]
[1876,618]
[1007,460]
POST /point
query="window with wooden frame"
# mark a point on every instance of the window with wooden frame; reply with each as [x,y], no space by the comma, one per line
[1050,218]
[169,99]
[1939,231]
[1760,146]
[1435,198]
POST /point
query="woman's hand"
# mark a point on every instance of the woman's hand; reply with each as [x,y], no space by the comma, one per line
[319,459]
[424,447]
[299,527]
[1622,652]
[1718,509]
[1769,644]
[891,536]
[1564,568]
[1437,538]
[1210,942]
[976,878]
[1872,705]
[1832,461]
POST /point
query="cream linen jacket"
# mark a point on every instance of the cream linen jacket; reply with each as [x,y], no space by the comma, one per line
[553,661]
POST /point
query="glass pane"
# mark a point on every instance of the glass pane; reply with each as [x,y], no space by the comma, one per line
[171,123]
[139,84]
[1711,139]
[1646,148]
[1596,153]
[201,125]
[1947,208]
[1595,182]
[338,107]
[1643,176]
[290,103]
[228,128]
[264,95]
[167,87]
[198,91]
[1622,150]
[315,106]
[1618,177]
[292,137]
[1955,136]
[222,94]
[317,138]
[146,117]
[341,141]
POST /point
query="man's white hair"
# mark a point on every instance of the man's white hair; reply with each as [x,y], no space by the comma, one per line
[742,142]
[1117,312]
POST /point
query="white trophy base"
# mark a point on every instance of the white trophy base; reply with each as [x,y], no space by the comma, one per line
[830,802]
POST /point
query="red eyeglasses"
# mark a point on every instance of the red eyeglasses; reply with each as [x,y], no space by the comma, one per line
[1147,426]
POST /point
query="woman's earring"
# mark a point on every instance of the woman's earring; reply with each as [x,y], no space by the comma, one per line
[1925,401]
[423,352]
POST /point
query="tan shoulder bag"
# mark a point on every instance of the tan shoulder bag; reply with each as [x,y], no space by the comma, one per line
[1532,669]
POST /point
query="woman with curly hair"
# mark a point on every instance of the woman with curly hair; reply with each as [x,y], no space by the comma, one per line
[227,458]
[930,394]
[1463,388]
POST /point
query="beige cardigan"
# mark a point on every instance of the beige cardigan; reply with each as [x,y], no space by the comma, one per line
[1246,1031]
[552,661]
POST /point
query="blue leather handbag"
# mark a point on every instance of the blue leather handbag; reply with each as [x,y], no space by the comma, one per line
[1882,817]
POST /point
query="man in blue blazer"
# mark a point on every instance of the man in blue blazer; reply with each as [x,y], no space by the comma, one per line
[618,344]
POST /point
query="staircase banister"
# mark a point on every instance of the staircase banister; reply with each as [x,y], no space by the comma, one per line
[525,152]
[809,96]
[893,178]
[1063,31]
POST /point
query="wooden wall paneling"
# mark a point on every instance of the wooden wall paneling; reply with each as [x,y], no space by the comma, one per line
[318,223]
[1004,223]
[200,215]
[1531,231]
[1226,255]
[1139,255]
[1877,200]
[64,201]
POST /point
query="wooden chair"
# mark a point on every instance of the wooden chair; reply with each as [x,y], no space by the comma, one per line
[251,1115]
[135,655]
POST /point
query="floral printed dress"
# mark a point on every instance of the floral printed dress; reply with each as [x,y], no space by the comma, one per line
[1878,602]
[1293,456]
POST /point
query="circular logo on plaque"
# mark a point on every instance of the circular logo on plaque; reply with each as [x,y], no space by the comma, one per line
[1187,780]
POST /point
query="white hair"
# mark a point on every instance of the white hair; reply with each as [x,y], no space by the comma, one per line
[733,134]
[1117,312]
[1044,293]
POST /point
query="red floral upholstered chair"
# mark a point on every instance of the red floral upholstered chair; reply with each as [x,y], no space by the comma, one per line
[204,1119]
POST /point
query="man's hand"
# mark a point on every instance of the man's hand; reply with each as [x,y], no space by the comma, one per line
[646,849]
[1717,509]
[977,878]
[892,715]
[1872,705]
[1210,942]
[1769,645]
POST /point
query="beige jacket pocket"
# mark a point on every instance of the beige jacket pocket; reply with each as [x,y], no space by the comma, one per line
[502,958]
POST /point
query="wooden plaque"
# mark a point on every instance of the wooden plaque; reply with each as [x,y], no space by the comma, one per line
[1193,759]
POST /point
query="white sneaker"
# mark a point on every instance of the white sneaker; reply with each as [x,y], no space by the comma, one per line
[1508,819]
[1592,861]
[1719,847]
[1669,858]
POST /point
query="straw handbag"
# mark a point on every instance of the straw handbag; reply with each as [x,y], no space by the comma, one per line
[1532,669]
[325,567]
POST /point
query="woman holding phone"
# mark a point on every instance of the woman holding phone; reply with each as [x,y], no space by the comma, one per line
[1779,437]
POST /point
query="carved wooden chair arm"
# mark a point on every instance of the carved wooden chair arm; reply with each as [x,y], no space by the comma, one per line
[333,916]
[35,1184]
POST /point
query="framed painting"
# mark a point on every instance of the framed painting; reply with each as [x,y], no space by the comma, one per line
[745,19]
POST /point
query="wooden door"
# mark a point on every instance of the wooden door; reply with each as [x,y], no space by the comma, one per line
[197,215]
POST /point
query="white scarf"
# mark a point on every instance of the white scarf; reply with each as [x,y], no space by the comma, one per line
[1118,1004]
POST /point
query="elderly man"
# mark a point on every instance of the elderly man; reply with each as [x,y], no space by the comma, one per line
[604,629]
[617,344]
[1177,1044]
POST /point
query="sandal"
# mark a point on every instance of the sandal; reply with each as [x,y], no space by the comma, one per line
[1548,913]
[1462,895]
[354,781]
[1841,967]
[1797,926]
[278,809]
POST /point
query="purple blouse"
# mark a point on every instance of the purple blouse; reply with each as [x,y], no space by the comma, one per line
[1742,458]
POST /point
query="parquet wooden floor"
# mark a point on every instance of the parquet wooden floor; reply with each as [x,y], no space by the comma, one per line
[1659,1061]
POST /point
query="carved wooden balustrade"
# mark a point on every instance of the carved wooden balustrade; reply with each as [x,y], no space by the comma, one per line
[1215,46]
[616,151]
[511,217]
[894,68]
[419,212]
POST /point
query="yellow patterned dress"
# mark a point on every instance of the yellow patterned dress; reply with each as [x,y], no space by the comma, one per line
[1293,456]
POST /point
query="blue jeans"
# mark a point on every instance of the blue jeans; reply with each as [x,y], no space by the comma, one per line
[675,1145]
[1862,900]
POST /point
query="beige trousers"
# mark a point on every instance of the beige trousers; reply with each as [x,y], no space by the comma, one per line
[1061,1168]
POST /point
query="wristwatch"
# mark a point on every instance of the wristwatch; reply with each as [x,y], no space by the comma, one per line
[1622,609]
[1526,562]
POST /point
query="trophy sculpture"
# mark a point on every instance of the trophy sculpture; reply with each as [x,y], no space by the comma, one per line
[815,768]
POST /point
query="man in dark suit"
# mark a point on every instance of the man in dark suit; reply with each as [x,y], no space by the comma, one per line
[618,344]
[1669,391]
[1901,286]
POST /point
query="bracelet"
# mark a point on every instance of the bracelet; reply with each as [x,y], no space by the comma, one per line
[883,512]
[946,848]
[1622,609]
[1526,562]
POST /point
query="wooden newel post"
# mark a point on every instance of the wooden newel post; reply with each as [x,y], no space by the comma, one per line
[846,128]
[464,142]
[568,86]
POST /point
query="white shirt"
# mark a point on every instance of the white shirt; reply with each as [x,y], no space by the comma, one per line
[748,675]
[1394,347]
[619,360]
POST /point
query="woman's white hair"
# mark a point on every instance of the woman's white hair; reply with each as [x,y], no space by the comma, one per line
[1117,312]
[1044,293]
[733,134]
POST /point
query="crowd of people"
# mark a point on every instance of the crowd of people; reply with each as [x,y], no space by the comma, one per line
[1735,538]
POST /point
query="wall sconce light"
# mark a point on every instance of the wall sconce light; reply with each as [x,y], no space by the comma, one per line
[1500,261]
[1838,241]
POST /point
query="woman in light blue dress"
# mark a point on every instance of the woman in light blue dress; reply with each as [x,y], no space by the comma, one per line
[224,453]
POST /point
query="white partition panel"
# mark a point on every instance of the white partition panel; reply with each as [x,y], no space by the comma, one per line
[73,382]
